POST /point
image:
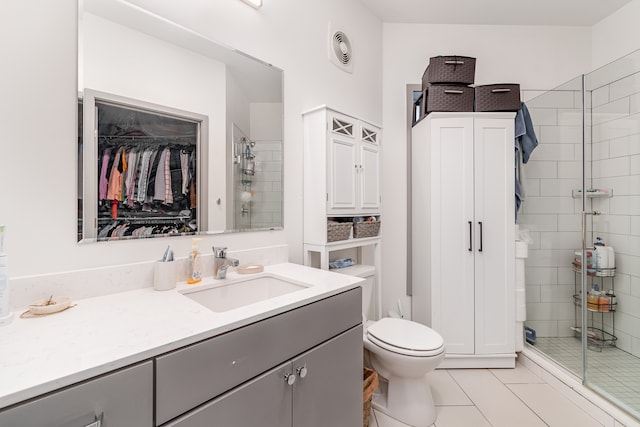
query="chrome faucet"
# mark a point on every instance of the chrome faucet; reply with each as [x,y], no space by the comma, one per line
[221,262]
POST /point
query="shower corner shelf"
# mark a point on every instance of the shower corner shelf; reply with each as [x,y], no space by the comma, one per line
[597,337]
[592,192]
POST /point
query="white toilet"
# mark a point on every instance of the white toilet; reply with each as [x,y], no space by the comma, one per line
[402,352]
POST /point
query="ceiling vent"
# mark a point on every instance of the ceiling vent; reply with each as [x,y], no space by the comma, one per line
[340,50]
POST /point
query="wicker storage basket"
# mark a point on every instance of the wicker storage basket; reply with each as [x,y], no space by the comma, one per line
[449,98]
[366,229]
[498,97]
[450,69]
[369,385]
[338,230]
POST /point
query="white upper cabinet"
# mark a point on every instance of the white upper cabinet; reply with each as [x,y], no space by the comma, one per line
[352,169]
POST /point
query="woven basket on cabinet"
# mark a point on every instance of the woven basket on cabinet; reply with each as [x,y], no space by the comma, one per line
[338,230]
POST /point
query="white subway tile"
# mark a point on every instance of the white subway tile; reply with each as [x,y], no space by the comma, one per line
[541,276]
[550,258]
[634,144]
[554,152]
[619,147]
[564,328]
[566,276]
[538,222]
[550,311]
[554,99]
[532,293]
[560,240]
[618,166]
[570,117]
[561,134]
[635,225]
[559,187]
[634,101]
[616,224]
[634,167]
[571,169]
[544,116]
[571,222]
[556,293]
[541,169]
[625,205]
[611,111]
[625,87]
[549,205]
[634,286]
[600,96]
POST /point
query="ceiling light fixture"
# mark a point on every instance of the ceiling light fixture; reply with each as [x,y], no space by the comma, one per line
[254,3]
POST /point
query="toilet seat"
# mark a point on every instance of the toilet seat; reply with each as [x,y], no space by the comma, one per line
[405,337]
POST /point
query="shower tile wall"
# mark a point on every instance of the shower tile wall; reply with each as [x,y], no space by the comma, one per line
[616,165]
[552,214]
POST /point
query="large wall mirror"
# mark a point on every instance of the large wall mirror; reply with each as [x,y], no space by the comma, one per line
[177,134]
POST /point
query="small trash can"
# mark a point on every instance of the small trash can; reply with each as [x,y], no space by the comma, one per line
[370,384]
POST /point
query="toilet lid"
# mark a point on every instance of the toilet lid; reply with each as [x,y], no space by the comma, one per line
[405,334]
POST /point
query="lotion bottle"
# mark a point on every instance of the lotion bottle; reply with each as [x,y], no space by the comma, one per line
[195,272]
[5,315]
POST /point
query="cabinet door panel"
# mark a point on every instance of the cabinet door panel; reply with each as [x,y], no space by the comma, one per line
[264,401]
[342,175]
[370,177]
[125,398]
[452,210]
[330,394]
[495,209]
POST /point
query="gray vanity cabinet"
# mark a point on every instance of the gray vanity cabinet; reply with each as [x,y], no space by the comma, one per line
[304,365]
[123,398]
[330,394]
[326,390]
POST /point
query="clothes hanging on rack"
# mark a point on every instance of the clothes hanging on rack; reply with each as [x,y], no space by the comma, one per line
[141,177]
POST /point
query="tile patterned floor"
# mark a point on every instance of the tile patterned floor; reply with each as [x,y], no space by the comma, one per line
[612,372]
[496,398]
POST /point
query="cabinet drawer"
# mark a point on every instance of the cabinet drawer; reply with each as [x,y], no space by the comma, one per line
[193,375]
[125,398]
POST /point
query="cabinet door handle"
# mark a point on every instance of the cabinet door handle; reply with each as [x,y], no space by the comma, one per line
[302,371]
[480,248]
[470,236]
[290,378]
[97,422]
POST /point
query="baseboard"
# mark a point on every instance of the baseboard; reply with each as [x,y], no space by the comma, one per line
[478,361]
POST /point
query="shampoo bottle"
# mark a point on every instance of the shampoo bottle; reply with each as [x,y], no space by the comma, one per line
[5,314]
[195,273]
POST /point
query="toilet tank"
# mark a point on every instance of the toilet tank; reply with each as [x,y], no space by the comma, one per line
[367,272]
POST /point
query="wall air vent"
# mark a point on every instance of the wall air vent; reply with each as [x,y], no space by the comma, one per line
[340,50]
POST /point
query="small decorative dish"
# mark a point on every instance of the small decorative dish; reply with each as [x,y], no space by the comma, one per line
[50,305]
[250,269]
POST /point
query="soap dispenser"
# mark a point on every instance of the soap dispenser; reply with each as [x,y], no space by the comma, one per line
[195,272]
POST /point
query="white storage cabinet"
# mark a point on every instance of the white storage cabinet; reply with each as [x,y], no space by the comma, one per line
[463,235]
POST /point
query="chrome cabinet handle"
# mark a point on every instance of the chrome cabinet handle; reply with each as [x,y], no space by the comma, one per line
[97,422]
[290,378]
[470,236]
[456,92]
[302,371]
[500,90]
[480,248]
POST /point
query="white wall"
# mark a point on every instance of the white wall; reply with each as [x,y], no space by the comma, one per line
[38,115]
[535,57]
[616,35]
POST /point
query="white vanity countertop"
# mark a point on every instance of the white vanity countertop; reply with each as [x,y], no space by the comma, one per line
[98,335]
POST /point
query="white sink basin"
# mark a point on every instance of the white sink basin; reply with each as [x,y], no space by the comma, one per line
[240,293]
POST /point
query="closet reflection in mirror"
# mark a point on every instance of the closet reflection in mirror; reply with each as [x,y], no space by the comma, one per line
[171,79]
